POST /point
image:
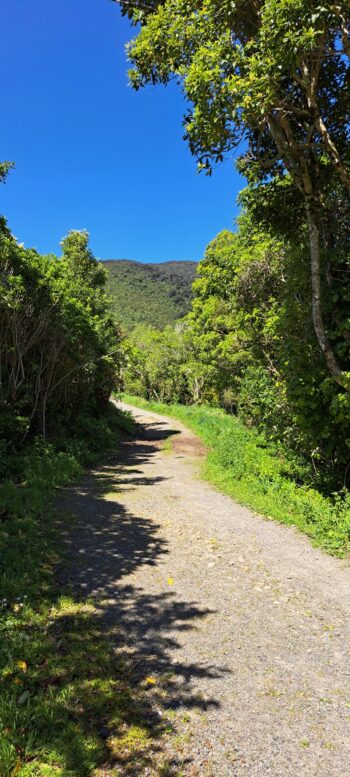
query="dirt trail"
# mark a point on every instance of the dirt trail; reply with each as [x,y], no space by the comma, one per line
[242,624]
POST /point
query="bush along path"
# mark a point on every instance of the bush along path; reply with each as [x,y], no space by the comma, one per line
[37,731]
[193,637]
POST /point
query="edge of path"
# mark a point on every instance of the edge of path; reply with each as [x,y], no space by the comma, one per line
[284,544]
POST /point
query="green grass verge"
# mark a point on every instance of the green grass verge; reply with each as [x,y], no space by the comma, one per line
[241,464]
[63,688]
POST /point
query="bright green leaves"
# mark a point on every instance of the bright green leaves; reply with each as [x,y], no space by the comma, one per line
[274,74]
[240,64]
[61,348]
[157,363]
[5,168]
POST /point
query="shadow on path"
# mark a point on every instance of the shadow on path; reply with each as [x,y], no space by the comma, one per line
[112,670]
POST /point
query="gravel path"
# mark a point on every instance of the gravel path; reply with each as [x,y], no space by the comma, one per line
[239,623]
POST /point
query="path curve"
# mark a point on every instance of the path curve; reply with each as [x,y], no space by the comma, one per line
[245,626]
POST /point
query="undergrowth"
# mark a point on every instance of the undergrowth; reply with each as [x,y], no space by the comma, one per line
[62,688]
[259,475]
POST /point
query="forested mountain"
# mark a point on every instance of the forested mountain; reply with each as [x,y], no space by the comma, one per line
[150,294]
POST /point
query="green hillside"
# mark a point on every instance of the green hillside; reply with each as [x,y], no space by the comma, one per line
[153,294]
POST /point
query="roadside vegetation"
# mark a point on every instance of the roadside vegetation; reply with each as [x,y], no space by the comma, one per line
[248,346]
[53,655]
[60,357]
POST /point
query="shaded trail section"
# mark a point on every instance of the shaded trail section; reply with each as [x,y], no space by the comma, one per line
[228,634]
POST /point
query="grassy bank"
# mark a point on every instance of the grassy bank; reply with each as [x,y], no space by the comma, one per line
[258,475]
[59,682]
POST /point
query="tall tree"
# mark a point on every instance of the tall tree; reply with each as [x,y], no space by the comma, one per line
[60,349]
[274,74]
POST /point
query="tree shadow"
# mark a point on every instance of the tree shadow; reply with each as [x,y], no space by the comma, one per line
[112,683]
[115,684]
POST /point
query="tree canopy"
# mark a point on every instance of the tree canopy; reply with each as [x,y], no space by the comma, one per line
[273,75]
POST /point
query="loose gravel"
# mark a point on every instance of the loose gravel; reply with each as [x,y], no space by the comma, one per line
[241,626]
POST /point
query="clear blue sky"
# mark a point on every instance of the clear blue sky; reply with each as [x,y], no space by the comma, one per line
[92,154]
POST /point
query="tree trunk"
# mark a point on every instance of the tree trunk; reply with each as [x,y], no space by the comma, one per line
[315,257]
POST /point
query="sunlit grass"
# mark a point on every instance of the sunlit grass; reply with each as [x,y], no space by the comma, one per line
[73,708]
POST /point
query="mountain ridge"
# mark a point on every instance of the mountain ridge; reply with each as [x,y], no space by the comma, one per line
[149,293]
[148,264]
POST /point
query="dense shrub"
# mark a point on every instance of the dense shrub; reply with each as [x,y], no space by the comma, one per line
[60,349]
[249,345]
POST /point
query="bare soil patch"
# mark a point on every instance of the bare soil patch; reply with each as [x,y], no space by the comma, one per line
[189,446]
